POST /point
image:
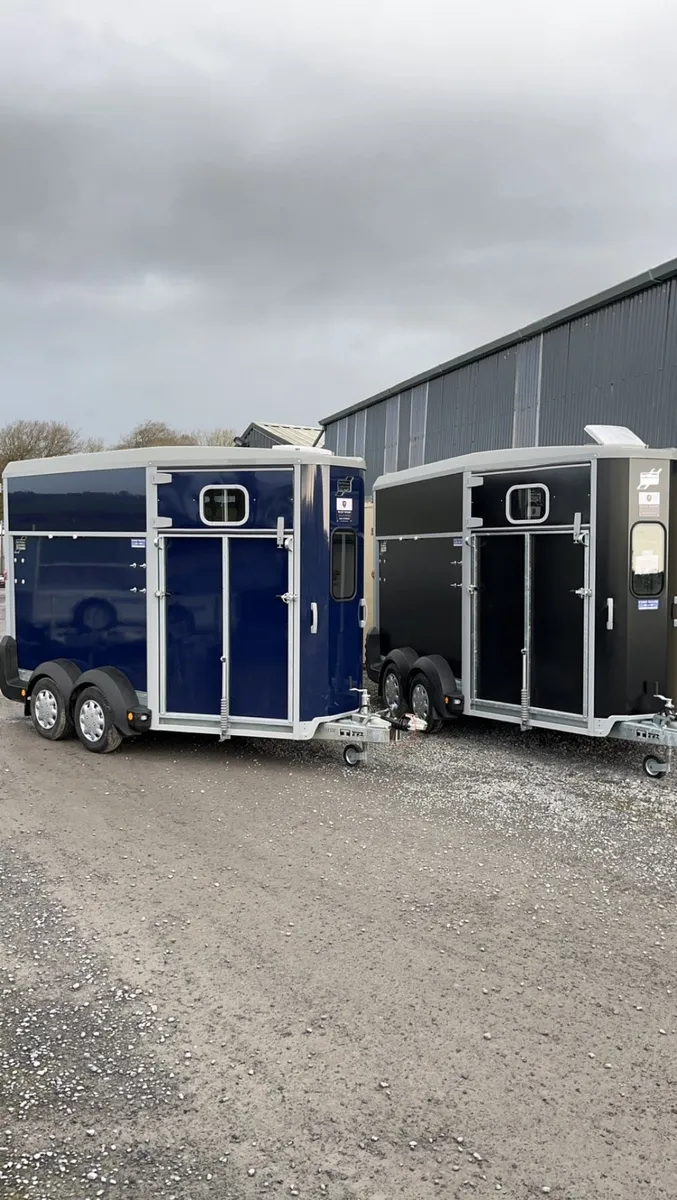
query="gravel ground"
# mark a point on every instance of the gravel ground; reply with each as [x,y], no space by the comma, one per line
[244,970]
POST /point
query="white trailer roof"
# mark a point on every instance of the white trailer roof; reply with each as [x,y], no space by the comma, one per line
[525,458]
[182,457]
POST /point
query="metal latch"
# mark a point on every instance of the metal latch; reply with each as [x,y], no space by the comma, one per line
[287,597]
[583,592]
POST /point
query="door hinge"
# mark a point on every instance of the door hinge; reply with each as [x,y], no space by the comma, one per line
[583,592]
[288,597]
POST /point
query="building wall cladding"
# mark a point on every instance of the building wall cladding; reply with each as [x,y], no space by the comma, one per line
[260,441]
[614,365]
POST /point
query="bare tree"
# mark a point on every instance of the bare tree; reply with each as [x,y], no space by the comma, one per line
[155,433]
[158,433]
[37,439]
[214,437]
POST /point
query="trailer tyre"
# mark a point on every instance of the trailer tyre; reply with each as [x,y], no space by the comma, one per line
[94,722]
[49,713]
[655,767]
[421,702]
[392,689]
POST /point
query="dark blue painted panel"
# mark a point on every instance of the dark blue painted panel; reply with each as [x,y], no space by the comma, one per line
[270,497]
[331,659]
[194,619]
[79,502]
[258,573]
[74,600]
[314,653]
[345,635]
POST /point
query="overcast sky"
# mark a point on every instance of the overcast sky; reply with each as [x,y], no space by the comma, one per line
[216,211]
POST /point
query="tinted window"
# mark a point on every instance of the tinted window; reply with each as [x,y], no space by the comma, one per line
[224,505]
[526,504]
[343,564]
[647,553]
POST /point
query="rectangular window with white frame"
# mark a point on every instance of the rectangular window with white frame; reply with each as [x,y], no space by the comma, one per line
[224,505]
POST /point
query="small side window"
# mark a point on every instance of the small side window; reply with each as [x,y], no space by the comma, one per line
[647,559]
[343,564]
[224,505]
[527,504]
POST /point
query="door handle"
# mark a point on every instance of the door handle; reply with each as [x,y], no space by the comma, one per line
[362,609]
[610,613]
[313,617]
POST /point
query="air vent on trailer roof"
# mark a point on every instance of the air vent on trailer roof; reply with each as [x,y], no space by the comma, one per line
[613,435]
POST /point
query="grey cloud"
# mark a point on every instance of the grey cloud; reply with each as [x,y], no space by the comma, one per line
[290,236]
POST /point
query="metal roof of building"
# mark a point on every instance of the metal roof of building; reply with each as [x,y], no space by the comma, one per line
[620,291]
[291,435]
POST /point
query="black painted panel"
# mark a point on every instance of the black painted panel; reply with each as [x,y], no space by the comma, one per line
[423,506]
[557,675]
[420,596]
[612,571]
[569,493]
[500,632]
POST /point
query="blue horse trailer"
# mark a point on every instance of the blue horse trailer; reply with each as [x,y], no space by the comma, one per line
[192,589]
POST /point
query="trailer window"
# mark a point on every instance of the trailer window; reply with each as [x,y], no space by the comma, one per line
[527,504]
[224,505]
[647,552]
[343,564]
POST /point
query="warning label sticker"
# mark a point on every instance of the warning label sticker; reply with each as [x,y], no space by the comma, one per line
[649,479]
[650,500]
[344,504]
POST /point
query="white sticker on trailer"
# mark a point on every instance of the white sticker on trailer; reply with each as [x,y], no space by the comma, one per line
[646,563]
[344,504]
[139,543]
[649,479]
[649,499]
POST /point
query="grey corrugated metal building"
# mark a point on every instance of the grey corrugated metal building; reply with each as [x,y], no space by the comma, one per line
[263,436]
[611,359]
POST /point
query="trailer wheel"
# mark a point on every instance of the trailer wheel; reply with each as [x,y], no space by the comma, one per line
[392,689]
[352,756]
[655,767]
[94,722]
[421,701]
[49,713]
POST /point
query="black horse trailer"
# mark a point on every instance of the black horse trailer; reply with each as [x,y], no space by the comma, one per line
[537,586]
